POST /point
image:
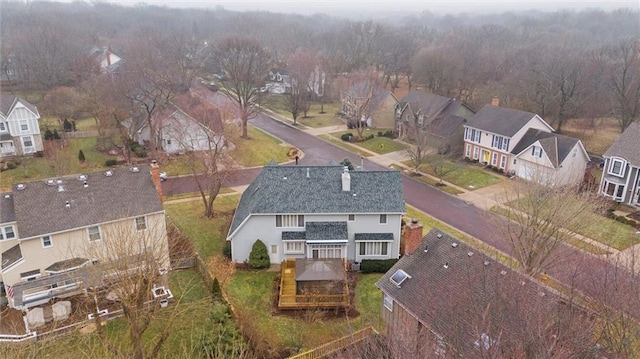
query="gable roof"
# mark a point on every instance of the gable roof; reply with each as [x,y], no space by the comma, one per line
[501,120]
[366,88]
[196,109]
[40,208]
[451,287]
[8,102]
[427,103]
[288,190]
[556,146]
[627,145]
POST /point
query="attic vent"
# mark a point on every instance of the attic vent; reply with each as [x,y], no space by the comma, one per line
[60,187]
[426,248]
[108,173]
[399,276]
[542,294]
[487,263]
[308,172]
[82,177]
[50,182]
[135,169]
[503,272]
[284,178]
[67,204]
[446,265]
[21,186]
[439,235]
[522,283]
[469,254]
[85,184]
[7,196]
[454,245]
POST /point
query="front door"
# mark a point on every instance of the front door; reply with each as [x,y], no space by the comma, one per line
[6,148]
[486,156]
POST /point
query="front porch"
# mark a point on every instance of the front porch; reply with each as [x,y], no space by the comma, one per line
[313,284]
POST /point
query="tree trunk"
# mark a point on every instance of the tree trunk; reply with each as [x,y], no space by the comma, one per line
[245,119]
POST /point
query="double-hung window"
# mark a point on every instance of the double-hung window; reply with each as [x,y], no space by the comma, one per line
[373,248]
[383,219]
[46,242]
[94,233]
[293,247]
[536,151]
[289,221]
[141,223]
[617,167]
[7,233]
[24,126]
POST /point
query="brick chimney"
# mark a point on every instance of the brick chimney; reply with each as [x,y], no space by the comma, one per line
[495,101]
[412,236]
[155,177]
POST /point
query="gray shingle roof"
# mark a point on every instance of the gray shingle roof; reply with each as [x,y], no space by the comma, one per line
[326,230]
[500,120]
[627,145]
[40,208]
[288,190]
[429,104]
[556,146]
[7,213]
[373,237]
[8,102]
[293,235]
[450,288]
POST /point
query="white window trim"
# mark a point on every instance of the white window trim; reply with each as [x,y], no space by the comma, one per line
[494,159]
[31,277]
[50,242]
[273,249]
[387,301]
[294,243]
[386,219]
[20,126]
[3,233]
[476,152]
[349,217]
[623,165]
[292,221]
[135,223]
[373,245]
[468,152]
[503,161]
[99,234]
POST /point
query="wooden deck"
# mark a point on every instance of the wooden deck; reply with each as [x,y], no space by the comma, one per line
[288,299]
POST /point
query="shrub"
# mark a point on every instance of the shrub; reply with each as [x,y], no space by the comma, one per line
[380,134]
[346,163]
[67,126]
[346,136]
[56,135]
[11,165]
[81,157]
[110,163]
[216,292]
[140,152]
[226,250]
[377,265]
[388,134]
[48,135]
[259,256]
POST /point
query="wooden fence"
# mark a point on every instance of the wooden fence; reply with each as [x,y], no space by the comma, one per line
[337,345]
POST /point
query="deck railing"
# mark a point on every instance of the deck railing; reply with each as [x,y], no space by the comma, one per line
[289,299]
[336,345]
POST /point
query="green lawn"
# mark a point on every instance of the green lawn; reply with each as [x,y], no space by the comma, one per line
[380,145]
[345,145]
[431,182]
[259,149]
[329,117]
[207,235]
[465,176]
[252,293]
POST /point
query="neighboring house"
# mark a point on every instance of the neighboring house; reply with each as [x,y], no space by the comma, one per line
[188,123]
[19,127]
[107,60]
[52,231]
[523,144]
[447,299]
[319,212]
[367,102]
[439,120]
[277,82]
[621,172]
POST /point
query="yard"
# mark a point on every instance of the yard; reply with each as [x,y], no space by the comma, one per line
[462,175]
[315,119]
[430,181]
[377,144]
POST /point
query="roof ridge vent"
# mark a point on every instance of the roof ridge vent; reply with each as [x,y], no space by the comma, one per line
[469,253]
[454,245]
[446,265]
[439,235]
[82,177]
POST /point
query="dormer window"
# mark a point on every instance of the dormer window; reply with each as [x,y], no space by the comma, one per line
[617,167]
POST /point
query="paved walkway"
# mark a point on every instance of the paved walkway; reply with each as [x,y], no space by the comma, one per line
[484,198]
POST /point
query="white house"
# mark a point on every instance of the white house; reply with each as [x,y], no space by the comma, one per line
[319,212]
[621,176]
[19,127]
[523,144]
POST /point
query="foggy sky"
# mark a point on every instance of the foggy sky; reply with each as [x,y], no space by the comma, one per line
[360,8]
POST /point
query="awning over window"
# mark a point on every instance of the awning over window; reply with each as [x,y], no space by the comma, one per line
[373,237]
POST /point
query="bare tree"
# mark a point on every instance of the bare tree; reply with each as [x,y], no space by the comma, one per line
[131,262]
[301,66]
[541,219]
[418,152]
[441,166]
[245,64]
[360,100]
[64,102]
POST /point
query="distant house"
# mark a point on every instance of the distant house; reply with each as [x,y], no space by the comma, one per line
[367,102]
[621,175]
[19,127]
[278,81]
[438,119]
[523,144]
[50,228]
[188,123]
[107,60]
[446,299]
[319,212]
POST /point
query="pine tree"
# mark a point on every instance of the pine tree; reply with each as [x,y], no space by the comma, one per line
[81,157]
[259,256]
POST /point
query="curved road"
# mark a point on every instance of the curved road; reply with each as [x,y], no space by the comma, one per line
[576,268]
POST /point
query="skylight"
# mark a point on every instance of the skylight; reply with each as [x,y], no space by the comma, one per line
[398,277]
